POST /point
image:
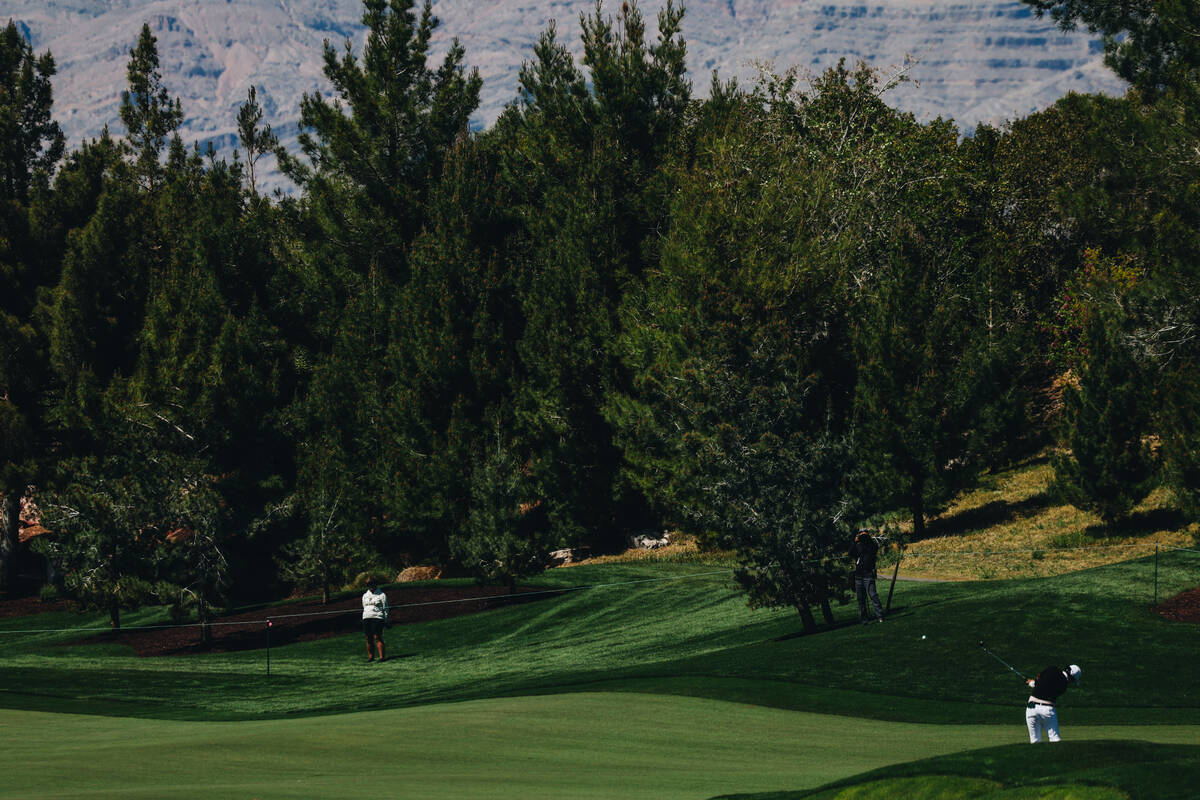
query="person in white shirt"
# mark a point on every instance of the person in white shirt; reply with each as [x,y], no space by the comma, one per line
[375,613]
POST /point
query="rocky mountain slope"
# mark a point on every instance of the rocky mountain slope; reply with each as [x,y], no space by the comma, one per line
[976,60]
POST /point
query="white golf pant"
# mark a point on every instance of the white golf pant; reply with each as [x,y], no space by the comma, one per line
[1039,718]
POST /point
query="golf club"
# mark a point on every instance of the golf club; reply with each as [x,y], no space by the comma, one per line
[1001,660]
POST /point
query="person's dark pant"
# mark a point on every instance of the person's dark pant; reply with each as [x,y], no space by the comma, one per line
[864,586]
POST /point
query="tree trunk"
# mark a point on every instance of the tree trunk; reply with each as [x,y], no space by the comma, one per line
[10,522]
[114,615]
[205,628]
[806,618]
[826,611]
[918,513]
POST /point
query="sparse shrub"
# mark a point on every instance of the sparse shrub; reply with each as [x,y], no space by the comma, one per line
[363,579]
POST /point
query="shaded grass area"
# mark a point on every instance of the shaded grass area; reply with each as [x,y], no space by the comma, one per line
[1102,770]
[671,628]
[972,519]
[560,747]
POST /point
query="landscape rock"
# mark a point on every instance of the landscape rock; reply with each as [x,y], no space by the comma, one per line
[568,555]
[649,540]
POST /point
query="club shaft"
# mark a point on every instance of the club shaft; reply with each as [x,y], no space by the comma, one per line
[1005,663]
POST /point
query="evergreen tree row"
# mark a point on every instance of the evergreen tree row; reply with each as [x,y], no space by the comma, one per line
[765,317]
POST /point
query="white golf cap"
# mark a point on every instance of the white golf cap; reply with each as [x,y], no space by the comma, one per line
[1074,672]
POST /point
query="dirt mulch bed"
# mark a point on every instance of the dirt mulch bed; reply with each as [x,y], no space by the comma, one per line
[1183,607]
[294,622]
[28,606]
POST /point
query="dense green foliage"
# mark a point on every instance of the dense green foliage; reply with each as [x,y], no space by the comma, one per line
[765,317]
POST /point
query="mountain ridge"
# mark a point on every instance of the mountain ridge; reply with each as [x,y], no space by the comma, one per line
[975,61]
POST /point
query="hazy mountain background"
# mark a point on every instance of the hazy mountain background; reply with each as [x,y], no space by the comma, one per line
[977,60]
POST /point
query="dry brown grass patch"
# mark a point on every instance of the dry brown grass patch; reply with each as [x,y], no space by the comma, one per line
[1012,529]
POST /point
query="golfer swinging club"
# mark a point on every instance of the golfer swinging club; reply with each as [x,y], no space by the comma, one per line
[1048,686]
[375,612]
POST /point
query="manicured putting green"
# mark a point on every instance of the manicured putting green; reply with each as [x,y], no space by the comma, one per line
[586,745]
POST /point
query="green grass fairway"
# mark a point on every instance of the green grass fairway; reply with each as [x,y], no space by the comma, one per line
[651,680]
[1102,770]
[689,634]
[585,745]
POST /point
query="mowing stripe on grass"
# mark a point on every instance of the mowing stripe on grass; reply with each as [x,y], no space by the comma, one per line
[585,746]
[342,612]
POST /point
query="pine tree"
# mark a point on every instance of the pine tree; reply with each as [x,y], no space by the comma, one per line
[112,511]
[506,535]
[369,160]
[582,161]
[31,145]
[31,142]
[918,329]
[150,115]
[922,379]
[1180,432]
[256,141]
[1153,45]
[97,307]
[153,324]
[1108,468]
[454,357]
[209,350]
[335,545]
[738,422]
[373,151]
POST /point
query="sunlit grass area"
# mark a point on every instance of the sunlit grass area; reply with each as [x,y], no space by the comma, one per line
[1012,527]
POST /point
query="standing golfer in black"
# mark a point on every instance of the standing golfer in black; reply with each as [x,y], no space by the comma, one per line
[863,551]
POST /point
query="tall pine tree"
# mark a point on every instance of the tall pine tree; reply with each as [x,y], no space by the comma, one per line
[369,159]
[1109,468]
[31,145]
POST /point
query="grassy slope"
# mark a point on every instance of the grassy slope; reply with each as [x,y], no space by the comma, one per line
[1010,527]
[1105,770]
[693,635]
[634,632]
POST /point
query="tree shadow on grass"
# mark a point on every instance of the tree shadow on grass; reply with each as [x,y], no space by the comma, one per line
[988,515]
[1140,523]
[823,627]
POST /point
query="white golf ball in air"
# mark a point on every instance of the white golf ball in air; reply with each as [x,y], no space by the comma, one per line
[922,636]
